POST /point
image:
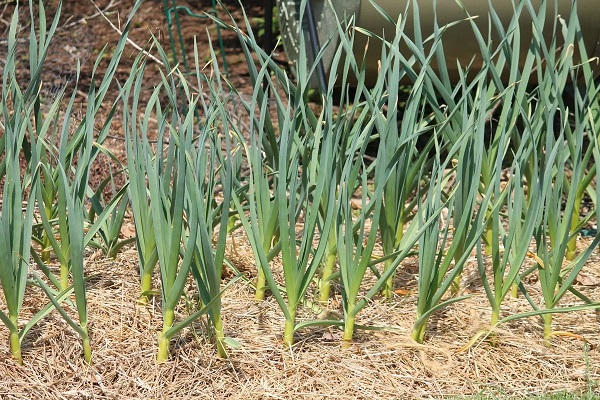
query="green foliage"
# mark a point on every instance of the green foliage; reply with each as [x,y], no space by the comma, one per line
[438,187]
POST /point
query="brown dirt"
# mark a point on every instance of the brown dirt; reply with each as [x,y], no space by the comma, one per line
[379,365]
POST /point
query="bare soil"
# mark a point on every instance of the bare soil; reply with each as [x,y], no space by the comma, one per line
[514,361]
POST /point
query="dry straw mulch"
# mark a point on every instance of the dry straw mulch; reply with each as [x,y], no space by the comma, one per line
[380,365]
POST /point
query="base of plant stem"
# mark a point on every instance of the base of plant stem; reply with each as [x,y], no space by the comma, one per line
[87,351]
[348,332]
[549,333]
[514,290]
[547,329]
[261,285]
[64,277]
[219,336]
[288,333]
[146,288]
[163,348]
[495,317]
[163,340]
[15,347]
[418,333]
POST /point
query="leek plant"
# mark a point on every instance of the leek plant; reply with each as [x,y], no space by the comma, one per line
[39,42]
[553,233]
[507,244]
[183,171]
[138,157]
[435,275]
[300,263]
[564,151]
[298,201]
[167,175]
[73,193]
[72,190]
[586,112]
[261,200]
[15,223]
[355,249]
[351,129]
[211,164]
[508,259]
[400,188]
[263,153]
[15,234]
[262,204]
[72,140]
[351,132]
[208,262]
[440,247]
[110,230]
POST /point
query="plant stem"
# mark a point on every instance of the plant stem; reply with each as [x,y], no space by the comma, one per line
[388,288]
[547,329]
[163,348]
[418,333]
[488,237]
[572,245]
[348,330]
[514,290]
[45,240]
[64,276]
[261,280]
[288,333]
[261,285]
[146,287]
[87,348]
[15,344]
[163,340]
[495,316]
[325,283]
[219,336]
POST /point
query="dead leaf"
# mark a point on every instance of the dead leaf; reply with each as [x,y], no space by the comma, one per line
[403,292]
[587,280]
[128,231]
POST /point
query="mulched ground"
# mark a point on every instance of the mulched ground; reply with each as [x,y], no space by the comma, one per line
[379,365]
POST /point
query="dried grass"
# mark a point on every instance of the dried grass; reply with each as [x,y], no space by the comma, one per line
[380,365]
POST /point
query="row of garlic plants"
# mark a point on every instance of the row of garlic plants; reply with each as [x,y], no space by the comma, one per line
[437,188]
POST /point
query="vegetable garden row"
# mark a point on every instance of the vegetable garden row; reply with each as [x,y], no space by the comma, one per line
[492,169]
